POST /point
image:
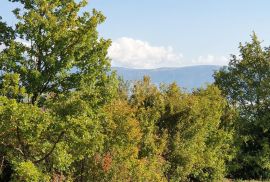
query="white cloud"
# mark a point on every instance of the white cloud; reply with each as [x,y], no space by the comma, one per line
[128,52]
[131,53]
[210,60]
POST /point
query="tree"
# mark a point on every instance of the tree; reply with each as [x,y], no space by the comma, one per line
[54,84]
[198,144]
[148,103]
[245,83]
[131,143]
[121,160]
[58,49]
[6,34]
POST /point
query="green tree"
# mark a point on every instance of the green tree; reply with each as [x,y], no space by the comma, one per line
[58,49]
[54,84]
[125,140]
[198,144]
[148,103]
[6,33]
[245,82]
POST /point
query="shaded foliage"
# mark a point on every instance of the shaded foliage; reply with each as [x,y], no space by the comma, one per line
[245,83]
[198,144]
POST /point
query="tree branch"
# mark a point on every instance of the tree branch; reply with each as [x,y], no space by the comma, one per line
[52,149]
[21,143]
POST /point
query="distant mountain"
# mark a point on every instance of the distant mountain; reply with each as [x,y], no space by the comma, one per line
[187,77]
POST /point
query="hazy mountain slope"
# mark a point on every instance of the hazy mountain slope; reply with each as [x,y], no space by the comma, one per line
[187,77]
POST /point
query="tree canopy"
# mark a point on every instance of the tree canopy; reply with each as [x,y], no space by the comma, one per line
[245,83]
[54,84]
[65,116]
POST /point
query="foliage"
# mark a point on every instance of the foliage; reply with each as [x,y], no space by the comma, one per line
[55,49]
[121,159]
[54,83]
[148,102]
[198,144]
[27,171]
[245,83]
[65,117]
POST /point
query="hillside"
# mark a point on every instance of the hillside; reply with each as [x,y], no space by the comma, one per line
[187,77]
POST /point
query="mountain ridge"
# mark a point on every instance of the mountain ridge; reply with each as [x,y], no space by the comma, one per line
[189,77]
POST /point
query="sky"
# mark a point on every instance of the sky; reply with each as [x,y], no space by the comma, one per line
[175,33]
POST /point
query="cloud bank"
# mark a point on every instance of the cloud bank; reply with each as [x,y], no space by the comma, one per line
[132,53]
[128,52]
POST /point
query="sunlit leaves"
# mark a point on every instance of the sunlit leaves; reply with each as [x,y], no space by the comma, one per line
[245,82]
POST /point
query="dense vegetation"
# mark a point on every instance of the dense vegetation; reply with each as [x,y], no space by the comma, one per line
[65,117]
[246,85]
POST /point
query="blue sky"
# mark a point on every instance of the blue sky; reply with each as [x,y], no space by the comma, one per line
[173,33]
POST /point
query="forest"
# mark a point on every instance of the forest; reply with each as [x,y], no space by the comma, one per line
[65,116]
